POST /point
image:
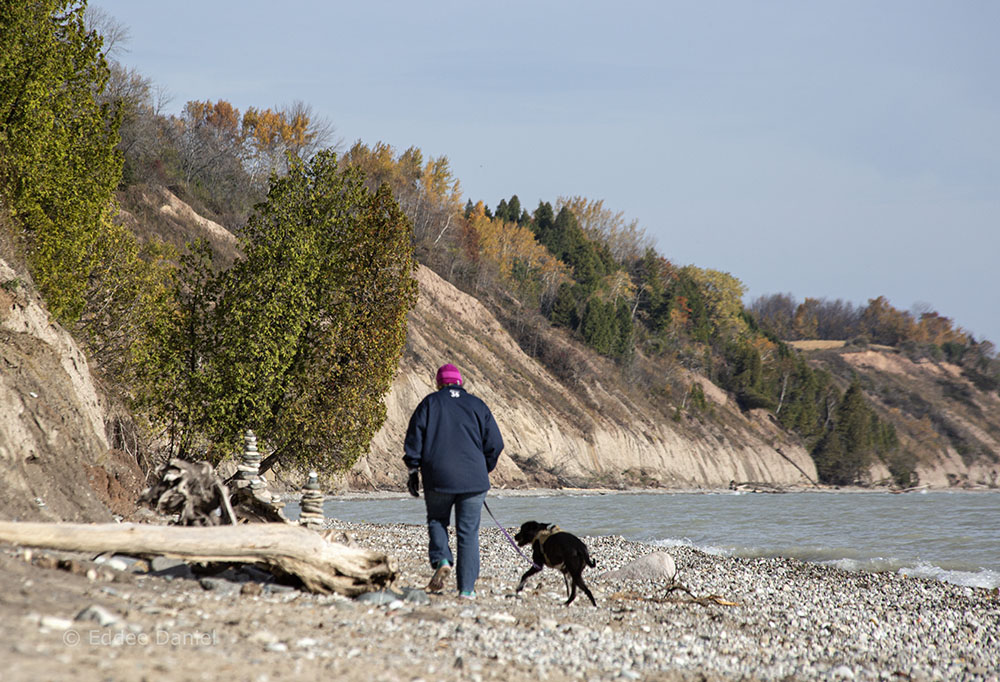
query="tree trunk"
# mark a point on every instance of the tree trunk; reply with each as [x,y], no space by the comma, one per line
[781,400]
[321,565]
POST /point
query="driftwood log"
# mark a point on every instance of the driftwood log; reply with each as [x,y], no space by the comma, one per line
[322,566]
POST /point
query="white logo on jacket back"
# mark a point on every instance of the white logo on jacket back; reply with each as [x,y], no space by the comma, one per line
[455,394]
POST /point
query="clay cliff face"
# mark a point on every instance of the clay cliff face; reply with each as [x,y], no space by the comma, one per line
[52,440]
[594,436]
[976,417]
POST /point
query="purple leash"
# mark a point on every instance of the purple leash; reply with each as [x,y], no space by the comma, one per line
[509,538]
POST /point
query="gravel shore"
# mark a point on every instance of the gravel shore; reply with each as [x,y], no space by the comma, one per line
[778,619]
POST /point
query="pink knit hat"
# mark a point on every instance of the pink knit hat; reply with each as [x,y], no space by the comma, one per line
[448,375]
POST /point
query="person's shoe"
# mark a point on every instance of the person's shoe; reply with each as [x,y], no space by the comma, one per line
[440,575]
[467,594]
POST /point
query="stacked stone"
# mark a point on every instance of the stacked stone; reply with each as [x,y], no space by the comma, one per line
[311,515]
[248,470]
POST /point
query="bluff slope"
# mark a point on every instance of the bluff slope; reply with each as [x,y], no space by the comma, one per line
[591,435]
[55,460]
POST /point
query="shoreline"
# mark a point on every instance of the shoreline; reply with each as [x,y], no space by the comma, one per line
[965,564]
[583,492]
[779,618]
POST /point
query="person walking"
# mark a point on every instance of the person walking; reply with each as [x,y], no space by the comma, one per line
[454,442]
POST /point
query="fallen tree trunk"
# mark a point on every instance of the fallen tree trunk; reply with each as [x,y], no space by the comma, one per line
[321,565]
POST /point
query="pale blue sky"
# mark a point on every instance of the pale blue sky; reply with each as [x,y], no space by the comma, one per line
[846,150]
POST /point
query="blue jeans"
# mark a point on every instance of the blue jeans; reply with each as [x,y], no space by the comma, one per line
[468,507]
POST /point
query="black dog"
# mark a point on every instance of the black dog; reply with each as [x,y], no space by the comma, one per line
[556,549]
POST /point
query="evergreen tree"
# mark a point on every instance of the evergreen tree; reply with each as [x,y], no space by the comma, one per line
[515,211]
[511,211]
[542,223]
[307,328]
[564,310]
[598,326]
[686,296]
[829,456]
[624,346]
[58,158]
[562,240]
[854,424]
[805,395]
[651,274]
[501,212]
[858,436]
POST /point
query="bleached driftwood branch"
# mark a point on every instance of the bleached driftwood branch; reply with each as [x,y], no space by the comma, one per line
[321,565]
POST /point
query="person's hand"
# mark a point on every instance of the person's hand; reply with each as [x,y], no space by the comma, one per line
[413,483]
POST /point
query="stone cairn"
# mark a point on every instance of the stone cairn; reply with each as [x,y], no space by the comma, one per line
[248,470]
[311,515]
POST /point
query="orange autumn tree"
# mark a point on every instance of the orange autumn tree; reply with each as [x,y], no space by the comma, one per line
[216,139]
[512,259]
[938,330]
[428,192]
[885,324]
[271,136]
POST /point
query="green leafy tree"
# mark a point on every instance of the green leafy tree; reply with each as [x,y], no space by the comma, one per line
[304,333]
[722,294]
[58,158]
[58,169]
[315,316]
[130,301]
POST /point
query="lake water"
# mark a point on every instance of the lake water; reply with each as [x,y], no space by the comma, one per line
[950,536]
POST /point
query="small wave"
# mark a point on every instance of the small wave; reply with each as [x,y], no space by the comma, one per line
[870,564]
[970,576]
[984,577]
[686,542]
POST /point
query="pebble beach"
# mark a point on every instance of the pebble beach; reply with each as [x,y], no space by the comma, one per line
[757,619]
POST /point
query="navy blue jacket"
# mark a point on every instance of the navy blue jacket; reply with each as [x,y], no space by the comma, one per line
[454,440]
